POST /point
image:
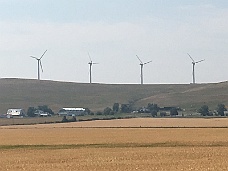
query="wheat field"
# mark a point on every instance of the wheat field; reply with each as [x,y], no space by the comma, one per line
[67,147]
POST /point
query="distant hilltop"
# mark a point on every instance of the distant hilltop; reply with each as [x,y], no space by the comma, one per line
[24,93]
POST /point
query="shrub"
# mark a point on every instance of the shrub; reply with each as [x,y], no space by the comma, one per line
[154,113]
[220,109]
[112,113]
[73,119]
[151,107]
[99,113]
[91,113]
[126,108]
[116,107]
[107,111]
[204,110]
[87,111]
[64,119]
[173,112]
[162,114]
[31,111]
[45,109]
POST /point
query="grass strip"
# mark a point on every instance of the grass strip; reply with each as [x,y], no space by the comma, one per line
[117,145]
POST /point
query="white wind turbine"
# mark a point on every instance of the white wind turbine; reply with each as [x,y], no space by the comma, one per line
[90,69]
[193,67]
[142,64]
[39,63]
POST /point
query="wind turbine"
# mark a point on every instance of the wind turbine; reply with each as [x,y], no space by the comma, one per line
[142,64]
[39,63]
[193,67]
[90,69]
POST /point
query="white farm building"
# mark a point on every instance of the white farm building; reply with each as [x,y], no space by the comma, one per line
[71,111]
[15,112]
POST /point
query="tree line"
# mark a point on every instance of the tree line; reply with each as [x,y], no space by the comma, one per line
[220,110]
[151,108]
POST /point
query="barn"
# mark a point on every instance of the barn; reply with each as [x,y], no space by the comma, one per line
[71,112]
[15,112]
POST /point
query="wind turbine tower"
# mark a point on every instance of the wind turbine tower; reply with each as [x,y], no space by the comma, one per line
[90,69]
[39,63]
[193,67]
[142,64]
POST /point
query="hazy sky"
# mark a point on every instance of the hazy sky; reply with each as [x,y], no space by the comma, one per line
[114,32]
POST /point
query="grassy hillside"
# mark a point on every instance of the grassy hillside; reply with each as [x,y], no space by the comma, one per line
[192,98]
[22,93]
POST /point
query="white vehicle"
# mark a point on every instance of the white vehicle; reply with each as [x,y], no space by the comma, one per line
[15,112]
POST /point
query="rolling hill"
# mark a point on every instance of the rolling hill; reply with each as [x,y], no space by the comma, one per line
[23,93]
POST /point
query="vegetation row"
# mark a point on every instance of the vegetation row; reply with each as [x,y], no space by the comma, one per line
[152,109]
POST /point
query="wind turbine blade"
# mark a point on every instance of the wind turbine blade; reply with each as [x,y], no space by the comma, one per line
[89,57]
[191,58]
[200,61]
[95,63]
[139,59]
[34,57]
[43,54]
[41,66]
[147,62]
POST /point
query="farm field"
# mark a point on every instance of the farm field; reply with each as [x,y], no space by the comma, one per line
[68,147]
[128,123]
[58,119]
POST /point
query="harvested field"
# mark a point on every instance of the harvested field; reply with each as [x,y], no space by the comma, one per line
[61,147]
[141,122]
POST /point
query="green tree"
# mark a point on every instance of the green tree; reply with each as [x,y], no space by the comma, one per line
[107,111]
[64,119]
[163,114]
[173,112]
[152,107]
[116,107]
[204,110]
[112,113]
[126,108]
[220,109]
[98,113]
[91,113]
[154,113]
[45,108]
[87,111]
[31,111]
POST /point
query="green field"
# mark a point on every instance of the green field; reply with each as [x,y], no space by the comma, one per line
[23,93]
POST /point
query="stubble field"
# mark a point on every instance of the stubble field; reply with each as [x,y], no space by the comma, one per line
[73,147]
